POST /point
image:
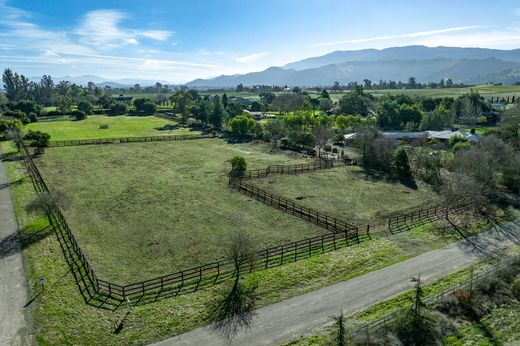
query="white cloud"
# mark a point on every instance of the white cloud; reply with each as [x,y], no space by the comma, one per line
[251,57]
[392,37]
[158,35]
[102,29]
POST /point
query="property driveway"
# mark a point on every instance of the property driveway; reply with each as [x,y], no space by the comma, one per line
[289,319]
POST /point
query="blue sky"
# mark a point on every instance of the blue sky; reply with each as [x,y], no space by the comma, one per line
[178,41]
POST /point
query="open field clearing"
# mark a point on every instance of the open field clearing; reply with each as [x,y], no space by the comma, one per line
[118,126]
[62,317]
[348,193]
[145,210]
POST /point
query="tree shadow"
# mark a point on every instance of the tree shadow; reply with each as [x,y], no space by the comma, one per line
[14,183]
[170,127]
[373,175]
[15,242]
[494,242]
[10,157]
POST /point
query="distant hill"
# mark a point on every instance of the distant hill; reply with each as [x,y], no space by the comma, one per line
[405,53]
[102,81]
[425,63]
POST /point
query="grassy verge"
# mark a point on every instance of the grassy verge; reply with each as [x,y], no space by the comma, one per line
[503,321]
[118,126]
[349,193]
[63,318]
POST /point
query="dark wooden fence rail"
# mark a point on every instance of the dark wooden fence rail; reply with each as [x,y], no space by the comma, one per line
[290,169]
[190,280]
[402,222]
[75,142]
[321,219]
[82,271]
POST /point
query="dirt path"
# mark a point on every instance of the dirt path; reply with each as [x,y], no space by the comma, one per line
[14,318]
[288,319]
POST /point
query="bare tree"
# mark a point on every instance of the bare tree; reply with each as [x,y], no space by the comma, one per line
[234,310]
[46,202]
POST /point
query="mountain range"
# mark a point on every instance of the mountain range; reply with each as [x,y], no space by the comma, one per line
[102,82]
[426,64]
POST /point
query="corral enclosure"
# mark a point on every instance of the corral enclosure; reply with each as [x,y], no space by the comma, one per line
[141,210]
[347,192]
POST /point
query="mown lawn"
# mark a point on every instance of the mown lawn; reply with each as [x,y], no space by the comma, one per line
[142,210]
[349,193]
[61,316]
[118,126]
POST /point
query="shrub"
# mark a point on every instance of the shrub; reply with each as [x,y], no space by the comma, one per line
[85,107]
[457,139]
[33,117]
[515,288]
[118,109]
[238,164]
[144,106]
[482,120]
[242,125]
[460,146]
[327,147]
[80,115]
[103,126]
[37,139]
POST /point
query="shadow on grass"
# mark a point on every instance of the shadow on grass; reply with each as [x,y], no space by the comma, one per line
[10,157]
[14,183]
[493,243]
[373,175]
[15,242]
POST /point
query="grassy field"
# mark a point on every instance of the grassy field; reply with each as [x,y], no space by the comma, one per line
[484,90]
[118,126]
[150,209]
[348,193]
[61,316]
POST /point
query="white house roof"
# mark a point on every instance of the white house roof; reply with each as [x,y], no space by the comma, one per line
[443,135]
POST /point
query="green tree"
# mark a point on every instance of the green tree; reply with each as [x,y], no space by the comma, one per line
[354,102]
[145,106]
[182,100]
[85,107]
[242,125]
[438,119]
[275,130]
[118,109]
[402,164]
[340,332]
[38,139]
[218,113]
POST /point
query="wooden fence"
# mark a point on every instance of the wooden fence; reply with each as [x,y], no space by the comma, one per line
[403,222]
[290,169]
[76,142]
[343,234]
[324,220]
[365,331]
